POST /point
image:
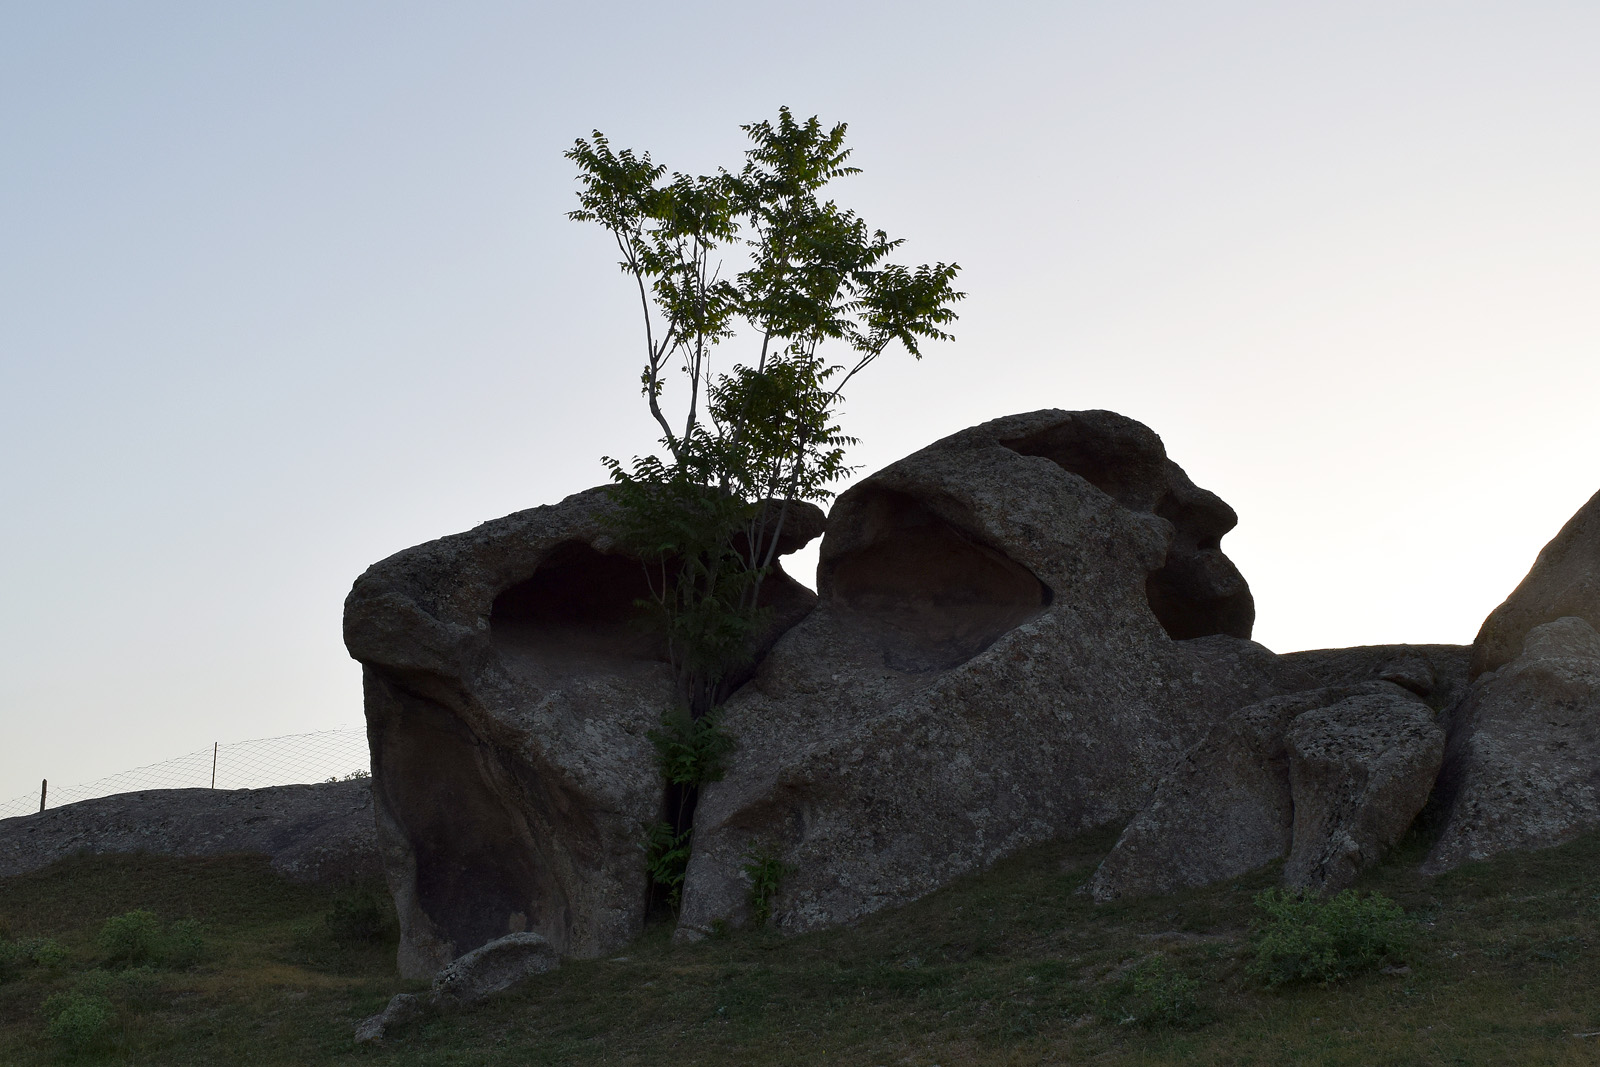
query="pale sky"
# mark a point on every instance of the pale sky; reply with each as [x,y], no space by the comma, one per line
[286,288]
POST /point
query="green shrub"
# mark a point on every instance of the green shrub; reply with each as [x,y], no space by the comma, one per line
[78,1018]
[131,939]
[358,916]
[139,939]
[25,952]
[766,871]
[1152,993]
[1302,937]
[181,945]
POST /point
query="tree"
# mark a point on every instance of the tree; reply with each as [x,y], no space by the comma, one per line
[746,443]
[749,441]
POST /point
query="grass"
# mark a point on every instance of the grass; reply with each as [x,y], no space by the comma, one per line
[1007,967]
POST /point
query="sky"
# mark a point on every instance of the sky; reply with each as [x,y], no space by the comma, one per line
[286,288]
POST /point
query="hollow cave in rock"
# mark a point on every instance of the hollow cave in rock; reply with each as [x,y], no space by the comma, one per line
[577,607]
[926,594]
[447,789]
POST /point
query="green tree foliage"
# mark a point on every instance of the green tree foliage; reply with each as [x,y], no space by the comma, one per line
[667,860]
[690,751]
[758,253]
[760,250]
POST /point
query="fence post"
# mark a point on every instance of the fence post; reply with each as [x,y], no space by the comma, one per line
[213,765]
[44,787]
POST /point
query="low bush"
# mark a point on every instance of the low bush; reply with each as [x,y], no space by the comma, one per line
[78,1019]
[131,939]
[25,952]
[358,916]
[139,938]
[1302,937]
[1152,993]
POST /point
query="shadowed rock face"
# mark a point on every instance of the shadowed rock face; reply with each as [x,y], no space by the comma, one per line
[1523,766]
[1564,583]
[508,697]
[1436,673]
[985,669]
[924,593]
[1329,778]
[1359,771]
[1197,591]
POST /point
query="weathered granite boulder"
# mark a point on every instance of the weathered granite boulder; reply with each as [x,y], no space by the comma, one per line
[508,695]
[401,1009]
[997,658]
[1224,808]
[1564,582]
[1359,772]
[313,833]
[491,968]
[473,978]
[1275,779]
[1523,765]
[1437,673]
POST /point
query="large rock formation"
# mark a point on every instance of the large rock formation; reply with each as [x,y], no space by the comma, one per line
[312,833]
[1564,582]
[1329,778]
[1523,768]
[998,657]
[1021,631]
[508,695]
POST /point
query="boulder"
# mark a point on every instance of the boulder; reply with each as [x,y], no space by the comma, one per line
[488,969]
[1359,772]
[1234,801]
[1564,582]
[1436,673]
[508,696]
[1018,628]
[402,1008]
[475,977]
[313,833]
[1523,765]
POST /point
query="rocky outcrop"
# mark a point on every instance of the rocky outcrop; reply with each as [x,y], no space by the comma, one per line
[1564,582]
[1022,631]
[1436,673]
[1019,628]
[1359,772]
[313,833]
[508,695]
[1523,767]
[1329,777]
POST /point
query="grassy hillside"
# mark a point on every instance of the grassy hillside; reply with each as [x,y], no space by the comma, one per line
[1007,967]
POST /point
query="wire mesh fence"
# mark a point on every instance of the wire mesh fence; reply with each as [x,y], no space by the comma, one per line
[287,760]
